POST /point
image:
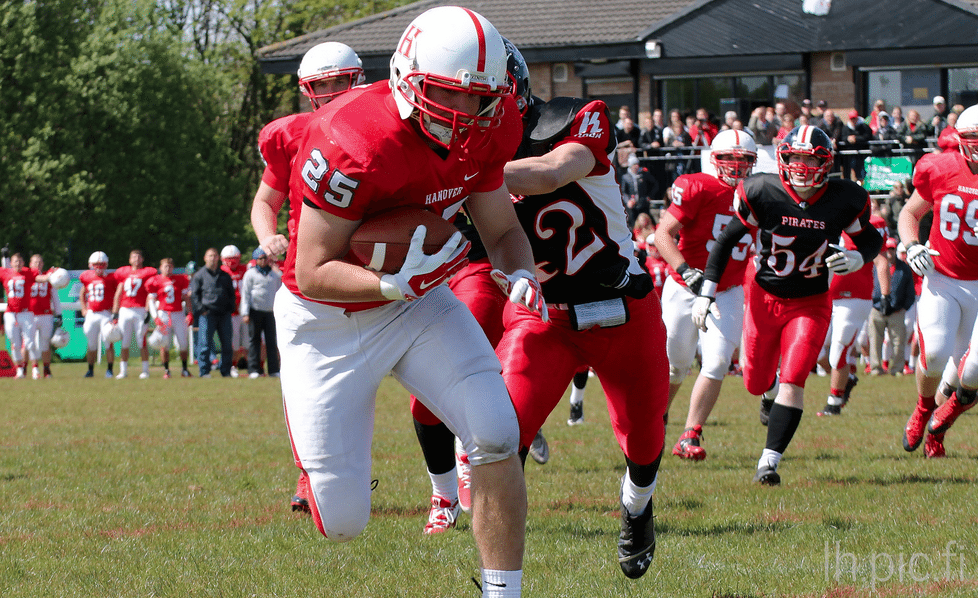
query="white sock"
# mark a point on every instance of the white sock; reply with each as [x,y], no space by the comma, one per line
[501,584]
[836,401]
[577,395]
[445,484]
[635,498]
[770,459]
[145,367]
[123,367]
[20,370]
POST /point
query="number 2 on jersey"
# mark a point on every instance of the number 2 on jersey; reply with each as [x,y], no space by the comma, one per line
[340,187]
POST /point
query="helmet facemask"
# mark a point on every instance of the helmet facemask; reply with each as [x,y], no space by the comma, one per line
[346,78]
[733,166]
[445,126]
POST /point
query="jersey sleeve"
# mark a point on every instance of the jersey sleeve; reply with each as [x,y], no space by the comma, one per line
[505,140]
[743,208]
[683,205]
[273,148]
[592,129]
[923,177]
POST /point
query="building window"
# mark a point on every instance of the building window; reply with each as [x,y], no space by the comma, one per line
[714,93]
[962,86]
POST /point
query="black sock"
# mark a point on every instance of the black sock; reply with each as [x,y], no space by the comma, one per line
[91,367]
[438,446]
[580,379]
[184,362]
[643,475]
[166,365]
[781,426]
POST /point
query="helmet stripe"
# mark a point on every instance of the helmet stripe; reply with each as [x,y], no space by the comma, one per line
[482,40]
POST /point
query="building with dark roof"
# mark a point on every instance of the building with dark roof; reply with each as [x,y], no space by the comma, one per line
[719,54]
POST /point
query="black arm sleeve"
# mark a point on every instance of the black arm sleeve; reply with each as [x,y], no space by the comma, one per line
[868,243]
[724,247]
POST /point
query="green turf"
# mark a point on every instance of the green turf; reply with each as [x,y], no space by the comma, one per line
[180,488]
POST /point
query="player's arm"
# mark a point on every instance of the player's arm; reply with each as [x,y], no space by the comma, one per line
[542,174]
[908,224]
[665,239]
[882,266]
[117,300]
[264,210]
[720,254]
[151,306]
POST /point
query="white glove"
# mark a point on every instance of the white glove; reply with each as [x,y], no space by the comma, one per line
[844,261]
[522,288]
[703,306]
[920,260]
[420,272]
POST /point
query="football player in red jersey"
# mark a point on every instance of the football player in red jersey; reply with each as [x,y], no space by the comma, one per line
[18,319]
[96,298]
[129,309]
[439,135]
[46,308]
[327,71]
[166,302]
[231,263]
[599,298]
[947,184]
[852,302]
[796,215]
[702,206]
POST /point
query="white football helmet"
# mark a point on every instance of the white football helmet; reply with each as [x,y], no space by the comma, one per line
[231,256]
[157,339]
[733,154]
[455,49]
[329,60]
[967,127]
[59,278]
[98,261]
[60,338]
[111,333]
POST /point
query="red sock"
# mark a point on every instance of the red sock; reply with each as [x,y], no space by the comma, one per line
[927,403]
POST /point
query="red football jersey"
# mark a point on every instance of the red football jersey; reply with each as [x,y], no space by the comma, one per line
[279,142]
[659,270]
[236,275]
[359,158]
[41,295]
[946,181]
[133,285]
[858,285]
[704,206]
[17,285]
[169,291]
[99,290]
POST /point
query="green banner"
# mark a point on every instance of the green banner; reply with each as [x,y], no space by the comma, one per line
[882,172]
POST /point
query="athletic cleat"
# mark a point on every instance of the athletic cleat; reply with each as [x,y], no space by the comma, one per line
[20,373]
[636,543]
[934,446]
[464,472]
[254,375]
[166,374]
[234,372]
[945,415]
[89,374]
[688,446]
[767,476]
[830,410]
[35,373]
[539,449]
[300,501]
[908,370]
[120,376]
[850,384]
[186,374]
[766,410]
[576,414]
[143,375]
[442,515]
[913,433]
[108,374]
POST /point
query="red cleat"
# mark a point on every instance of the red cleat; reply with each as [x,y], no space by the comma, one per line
[442,515]
[945,415]
[688,446]
[300,501]
[913,433]
[934,447]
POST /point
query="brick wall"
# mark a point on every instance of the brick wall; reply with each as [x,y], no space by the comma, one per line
[835,87]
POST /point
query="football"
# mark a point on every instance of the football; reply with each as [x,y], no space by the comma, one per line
[381,242]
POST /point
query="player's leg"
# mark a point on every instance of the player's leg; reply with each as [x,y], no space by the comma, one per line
[92,331]
[637,401]
[178,328]
[141,328]
[848,316]
[127,323]
[42,339]
[718,345]
[467,393]
[681,333]
[761,347]
[447,486]
[11,328]
[963,397]
[577,397]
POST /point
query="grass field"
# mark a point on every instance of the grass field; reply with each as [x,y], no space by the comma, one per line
[180,488]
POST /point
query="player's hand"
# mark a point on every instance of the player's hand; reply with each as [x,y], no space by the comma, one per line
[115,317]
[844,261]
[703,306]
[275,245]
[420,273]
[693,277]
[522,288]
[57,321]
[636,286]
[885,307]
[920,260]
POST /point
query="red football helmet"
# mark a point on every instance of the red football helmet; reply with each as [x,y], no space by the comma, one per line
[453,49]
[967,127]
[810,141]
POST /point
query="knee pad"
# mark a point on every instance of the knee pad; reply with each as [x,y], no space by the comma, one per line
[492,428]
[677,375]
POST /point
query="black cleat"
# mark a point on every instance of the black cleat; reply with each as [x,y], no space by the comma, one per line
[766,410]
[636,543]
[576,414]
[767,476]
[831,409]
[539,449]
[850,384]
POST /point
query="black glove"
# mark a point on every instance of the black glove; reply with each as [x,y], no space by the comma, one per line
[693,277]
[636,286]
[885,307]
[57,321]
[147,319]
[115,317]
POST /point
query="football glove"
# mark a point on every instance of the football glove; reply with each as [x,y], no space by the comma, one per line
[844,261]
[57,321]
[636,286]
[693,277]
[522,288]
[704,305]
[420,272]
[920,260]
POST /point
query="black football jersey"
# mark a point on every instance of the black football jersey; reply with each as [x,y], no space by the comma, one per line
[793,235]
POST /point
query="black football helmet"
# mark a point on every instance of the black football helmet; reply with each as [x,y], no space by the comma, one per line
[805,140]
[519,76]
